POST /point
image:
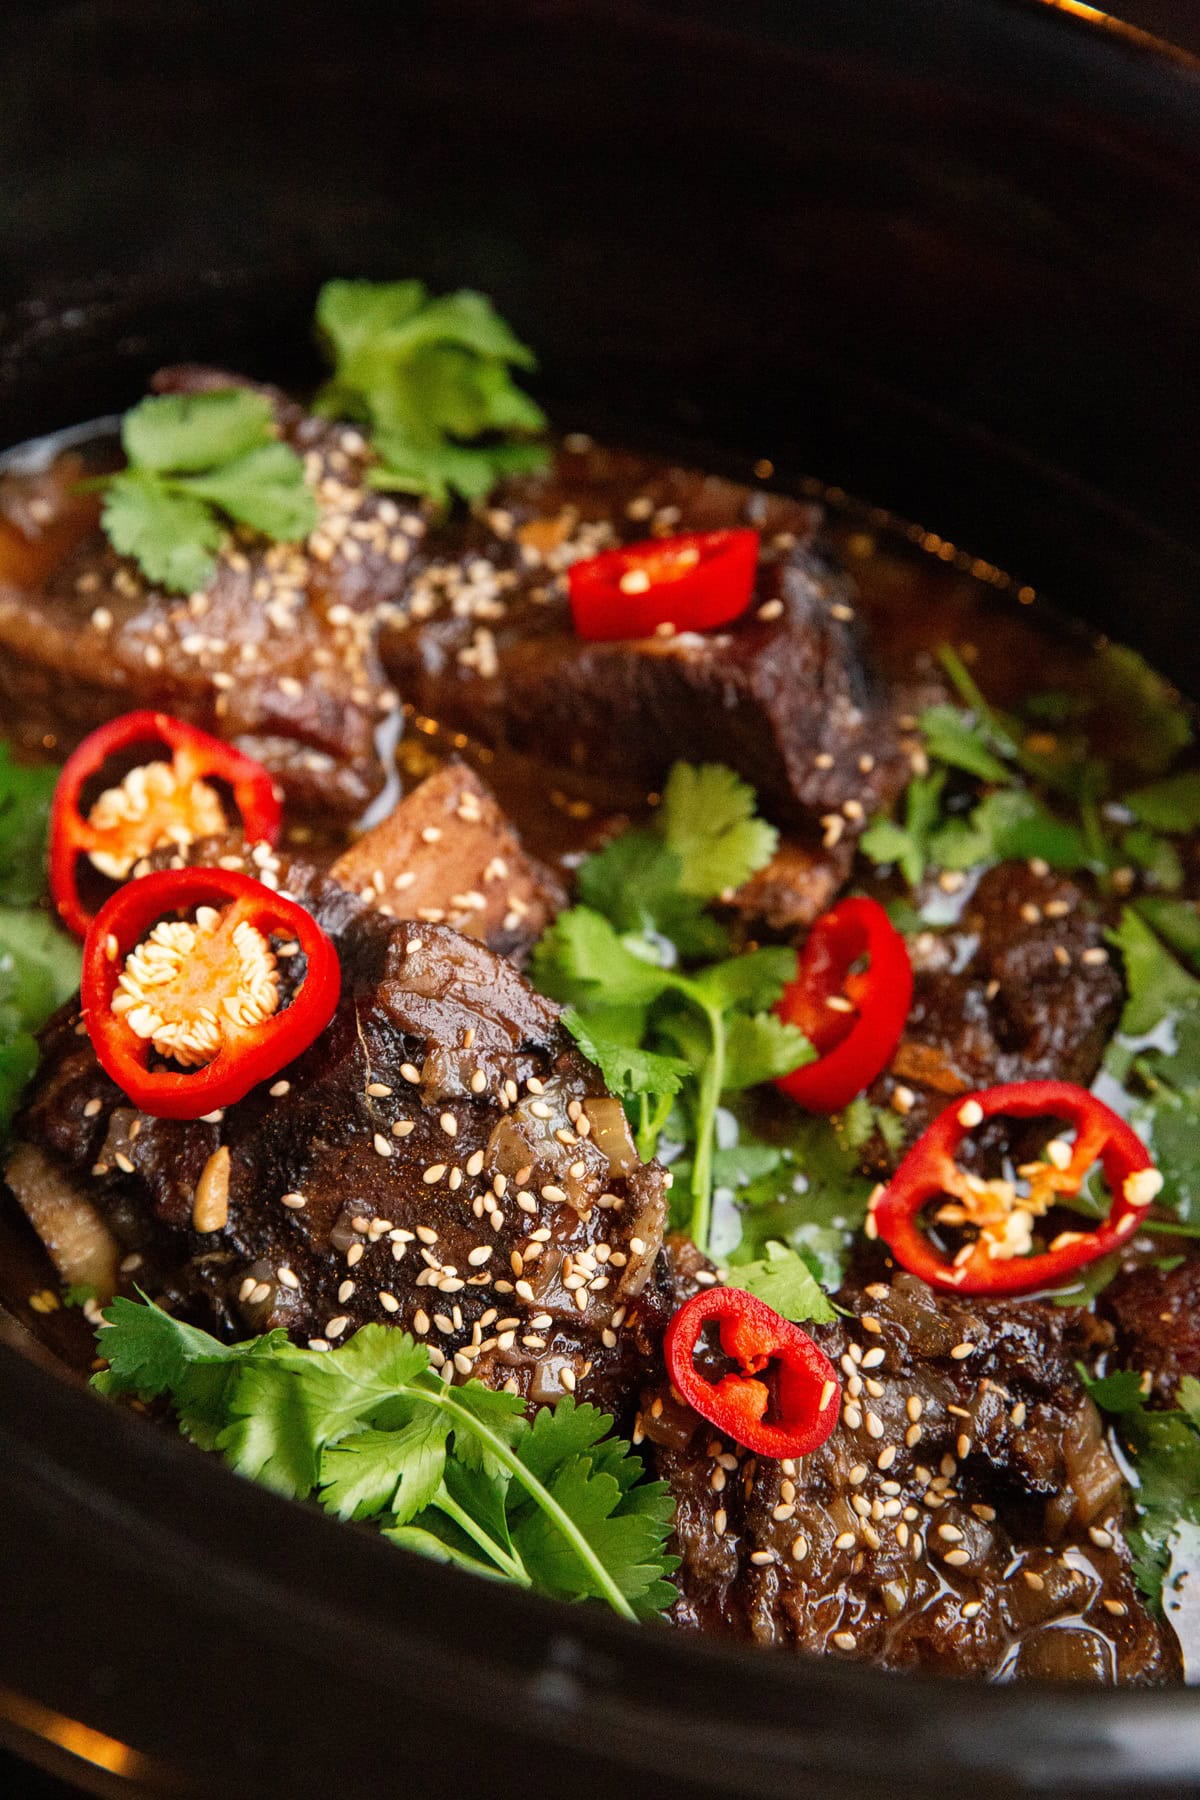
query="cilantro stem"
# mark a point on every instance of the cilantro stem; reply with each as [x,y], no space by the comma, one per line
[509,1460]
[711,1083]
[970,693]
[512,1565]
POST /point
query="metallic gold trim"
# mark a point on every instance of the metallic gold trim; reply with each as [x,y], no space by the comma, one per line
[1133,35]
[78,1740]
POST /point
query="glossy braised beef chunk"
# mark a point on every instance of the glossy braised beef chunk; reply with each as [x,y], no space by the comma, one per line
[277,654]
[483,641]
[1022,989]
[442,1159]
[965,1515]
[450,856]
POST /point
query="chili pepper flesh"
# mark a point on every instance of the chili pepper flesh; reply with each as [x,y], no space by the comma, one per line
[203,991]
[693,582]
[853,1017]
[1001,1258]
[806,1392]
[155,804]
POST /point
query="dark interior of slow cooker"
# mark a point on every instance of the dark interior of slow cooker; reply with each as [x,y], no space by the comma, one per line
[943,256]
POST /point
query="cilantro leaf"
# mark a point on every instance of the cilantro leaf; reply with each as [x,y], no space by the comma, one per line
[184,434]
[1010,826]
[952,737]
[582,957]
[626,1070]
[39,969]
[196,462]
[760,1047]
[783,1280]
[755,979]
[1177,922]
[1170,805]
[453,1472]
[1141,710]
[25,796]
[260,489]
[591,1477]
[908,845]
[429,377]
[635,881]
[1157,984]
[1157,857]
[626,961]
[707,818]
[172,536]
[1120,1392]
[1165,1449]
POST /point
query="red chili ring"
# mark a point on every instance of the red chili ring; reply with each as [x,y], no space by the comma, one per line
[853,1045]
[693,582]
[248,1054]
[195,755]
[929,1171]
[807,1391]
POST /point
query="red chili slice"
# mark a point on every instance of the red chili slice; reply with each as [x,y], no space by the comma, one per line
[158,803]
[804,1392]
[179,969]
[853,1018]
[691,583]
[995,1261]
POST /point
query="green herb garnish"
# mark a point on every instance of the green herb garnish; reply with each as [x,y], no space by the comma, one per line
[455,1473]
[645,968]
[1165,1449]
[39,964]
[782,1279]
[197,464]
[1043,800]
[431,379]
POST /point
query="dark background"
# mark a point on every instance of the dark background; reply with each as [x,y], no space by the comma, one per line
[1178,21]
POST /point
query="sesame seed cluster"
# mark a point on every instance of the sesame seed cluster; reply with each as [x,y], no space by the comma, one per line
[894,1541]
[482,641]
[279,650]
[431,1162]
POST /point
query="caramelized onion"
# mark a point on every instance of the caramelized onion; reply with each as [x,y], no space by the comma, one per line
[611,1133]
[79,1243]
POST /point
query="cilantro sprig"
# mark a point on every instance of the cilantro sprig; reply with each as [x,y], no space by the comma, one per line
[39,964]
[1154,1061]
[998,790]
[1164,1446]
[656,1000]
[197,464]
[374,1434]
[431,379]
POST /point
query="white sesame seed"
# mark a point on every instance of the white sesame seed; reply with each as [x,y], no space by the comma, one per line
[970,1114]
[1143,1186]
[294,1201]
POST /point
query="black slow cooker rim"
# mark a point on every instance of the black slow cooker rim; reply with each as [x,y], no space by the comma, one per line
[219,1545]
[78,1477]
